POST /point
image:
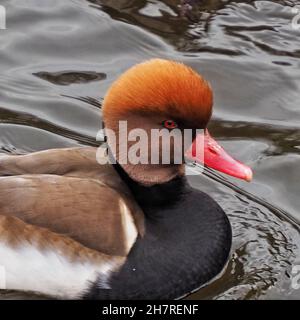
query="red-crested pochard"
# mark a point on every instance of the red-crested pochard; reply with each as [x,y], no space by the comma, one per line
[73,228]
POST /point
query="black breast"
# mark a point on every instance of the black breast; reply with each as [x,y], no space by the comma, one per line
[186,244]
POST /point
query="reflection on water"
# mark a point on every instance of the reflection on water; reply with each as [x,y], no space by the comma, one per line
[59,57]
[68,77]
[265,245]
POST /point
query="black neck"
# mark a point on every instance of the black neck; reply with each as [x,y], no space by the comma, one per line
[158,195]
[185,228]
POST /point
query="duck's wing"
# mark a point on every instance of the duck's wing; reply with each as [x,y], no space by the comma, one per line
[83,209]
[81,162]
[64,221]
[37,260]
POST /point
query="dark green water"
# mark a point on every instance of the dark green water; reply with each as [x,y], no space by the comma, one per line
[57,59]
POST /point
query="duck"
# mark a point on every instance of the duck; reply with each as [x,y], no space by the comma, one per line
[83,223]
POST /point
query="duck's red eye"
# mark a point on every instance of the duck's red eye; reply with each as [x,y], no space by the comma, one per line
[170,124]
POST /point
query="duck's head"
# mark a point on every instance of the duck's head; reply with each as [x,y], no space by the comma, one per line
[161,94]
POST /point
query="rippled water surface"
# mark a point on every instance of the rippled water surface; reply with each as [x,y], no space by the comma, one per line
[58,57]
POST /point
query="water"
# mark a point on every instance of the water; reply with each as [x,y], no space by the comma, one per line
[57,59]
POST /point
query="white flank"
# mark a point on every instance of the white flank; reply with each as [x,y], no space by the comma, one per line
[2,277]
[50,273]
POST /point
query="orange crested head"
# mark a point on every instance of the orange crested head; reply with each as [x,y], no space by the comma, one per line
[163,87]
